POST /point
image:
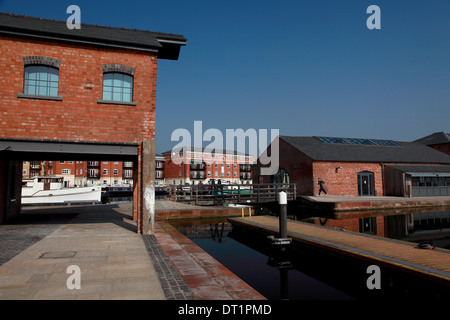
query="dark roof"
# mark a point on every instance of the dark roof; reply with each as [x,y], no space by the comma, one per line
[406,152]
[423,169]
[165,44]
[435,138]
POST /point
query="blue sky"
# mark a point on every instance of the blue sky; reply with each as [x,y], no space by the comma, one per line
[304,67]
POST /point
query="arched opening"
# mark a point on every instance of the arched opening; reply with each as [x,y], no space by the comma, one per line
[282,176]
[366,183]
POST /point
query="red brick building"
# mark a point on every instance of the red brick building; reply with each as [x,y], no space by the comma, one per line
[80,94]
[198,166]
[82,173]
[438,140]
[360,167]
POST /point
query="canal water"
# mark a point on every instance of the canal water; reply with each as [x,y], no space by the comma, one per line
[305,273]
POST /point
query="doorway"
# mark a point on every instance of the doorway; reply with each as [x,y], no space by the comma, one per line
[366,186]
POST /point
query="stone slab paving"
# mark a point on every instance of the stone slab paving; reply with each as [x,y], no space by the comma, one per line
[113,260]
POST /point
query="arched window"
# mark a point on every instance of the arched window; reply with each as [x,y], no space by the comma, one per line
[117,87]
[118,83]
[41,76]
[41,80]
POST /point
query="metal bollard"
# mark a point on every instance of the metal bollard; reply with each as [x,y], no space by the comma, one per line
[282,200]
[283,239]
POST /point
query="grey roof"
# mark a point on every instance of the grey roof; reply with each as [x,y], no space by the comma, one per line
[167,45]
[435,138]
[407,152]
[420,169]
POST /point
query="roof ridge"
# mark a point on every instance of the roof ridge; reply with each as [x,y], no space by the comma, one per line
[90,25]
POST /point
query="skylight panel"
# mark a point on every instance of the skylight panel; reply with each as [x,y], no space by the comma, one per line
[357,141]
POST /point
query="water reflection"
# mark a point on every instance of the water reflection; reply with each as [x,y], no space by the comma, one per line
[416,225]
[302,273]
[250,259]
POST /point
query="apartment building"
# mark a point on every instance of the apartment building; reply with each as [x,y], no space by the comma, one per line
[198,166]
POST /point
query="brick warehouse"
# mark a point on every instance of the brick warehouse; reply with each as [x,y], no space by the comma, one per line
[438,140]
[360,167]
[79,94]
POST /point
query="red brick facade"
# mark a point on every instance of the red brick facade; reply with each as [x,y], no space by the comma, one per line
[445,147]
[79,116]
[344,181]
[340,177]
[234,170]
[80,173]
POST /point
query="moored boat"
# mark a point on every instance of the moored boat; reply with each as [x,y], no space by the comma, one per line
[51,190]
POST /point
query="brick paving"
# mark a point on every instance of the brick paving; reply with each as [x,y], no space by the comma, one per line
[172,283]
[206,278]
[401,254]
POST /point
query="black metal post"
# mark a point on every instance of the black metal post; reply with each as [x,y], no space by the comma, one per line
[282,200]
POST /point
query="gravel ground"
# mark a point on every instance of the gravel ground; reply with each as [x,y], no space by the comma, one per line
[28,229]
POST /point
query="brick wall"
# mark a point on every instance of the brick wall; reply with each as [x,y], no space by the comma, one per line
[78,117]
[231,171]
[305,172]
[298,166]
[172,171]
[344,182]
[442,147]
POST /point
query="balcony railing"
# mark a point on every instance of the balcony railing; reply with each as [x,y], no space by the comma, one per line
[197,175]
[198,166]
[245,175]
[93,164]
[128,174]
[128,164]
[93,175]
[159,174]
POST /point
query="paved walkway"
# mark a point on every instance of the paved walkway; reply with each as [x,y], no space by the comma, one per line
[113,259]
[115,262]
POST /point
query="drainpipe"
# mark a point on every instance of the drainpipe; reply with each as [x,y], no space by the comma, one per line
[404,186]
[382,177]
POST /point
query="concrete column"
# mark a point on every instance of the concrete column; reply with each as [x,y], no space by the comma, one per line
[148,187]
